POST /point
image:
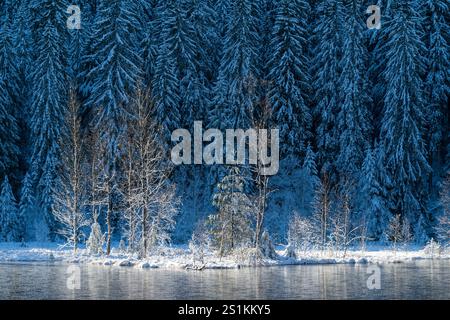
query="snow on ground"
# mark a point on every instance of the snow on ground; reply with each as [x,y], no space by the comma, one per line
[181,257]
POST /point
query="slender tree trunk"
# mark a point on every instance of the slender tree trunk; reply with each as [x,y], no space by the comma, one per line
[108,220]
[144,232]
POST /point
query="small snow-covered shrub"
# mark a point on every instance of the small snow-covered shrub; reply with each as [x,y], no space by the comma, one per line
[199,243]
[301,234]
[443,226]
[246,256]
[122,247]
[96,240]
[290,252]
[267,248]
[432,249]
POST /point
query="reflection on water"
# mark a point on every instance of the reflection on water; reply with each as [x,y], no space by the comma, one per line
[418,280]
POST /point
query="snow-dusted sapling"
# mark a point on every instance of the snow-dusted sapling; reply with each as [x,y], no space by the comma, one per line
[96,239]
[10,221]
[443,224]
[199,243]
[231,226]
[302,235]
[398,231]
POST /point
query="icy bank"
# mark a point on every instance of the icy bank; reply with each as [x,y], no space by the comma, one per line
[181,257]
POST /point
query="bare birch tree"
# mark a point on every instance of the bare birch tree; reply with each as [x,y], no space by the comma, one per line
[71,196]
[151,200]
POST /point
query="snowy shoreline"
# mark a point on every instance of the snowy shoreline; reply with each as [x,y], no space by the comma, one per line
[179,257]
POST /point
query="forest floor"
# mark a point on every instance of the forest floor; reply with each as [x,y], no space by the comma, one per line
[181,257]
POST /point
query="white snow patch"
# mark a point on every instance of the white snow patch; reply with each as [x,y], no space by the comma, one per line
[180,257]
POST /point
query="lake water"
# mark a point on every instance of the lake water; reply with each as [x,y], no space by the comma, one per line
[415,280]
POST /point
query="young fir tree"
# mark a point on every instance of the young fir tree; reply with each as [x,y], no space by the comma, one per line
[375,214]
[11,223]
[27,208]
[231,226]
[310,181]
[403,118]
[288,75]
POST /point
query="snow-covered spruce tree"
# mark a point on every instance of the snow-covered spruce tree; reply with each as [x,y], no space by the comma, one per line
[442,227]
[112,80]
[152,201]
[150,38]
[402,129]
[208,43]
[71,197]
[77,42]
[190,48]
[96,239]
[234,96]
[22,36]
[233,103]
[437,74]
[289,79]
[378,61]
[28,209]
[11,223]
[49,100]
[22,42]
[231,226]
[374,212]
[353,120]
[310,181]
[326,70]
[166,81]
[9,130]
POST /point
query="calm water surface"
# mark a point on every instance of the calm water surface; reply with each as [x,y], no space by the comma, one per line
[416,280]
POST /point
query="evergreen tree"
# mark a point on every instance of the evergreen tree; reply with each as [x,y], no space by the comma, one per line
[231,226]
[310,181]
[288,74]
[9,130]
[326,70]
[11,224]
[375,214]
[149,43]
[403,118]
[437,75]
[48,100]
[166,81]
[27,208]
[353,120]
[233,102]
